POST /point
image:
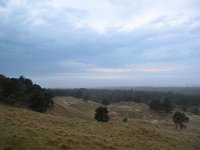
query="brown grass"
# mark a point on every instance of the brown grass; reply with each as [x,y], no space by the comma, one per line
[25,129]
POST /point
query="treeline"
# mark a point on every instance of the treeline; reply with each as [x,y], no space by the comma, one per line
[179,90]
[22,92]
[111,96]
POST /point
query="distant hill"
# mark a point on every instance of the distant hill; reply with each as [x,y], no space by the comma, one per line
[72,107]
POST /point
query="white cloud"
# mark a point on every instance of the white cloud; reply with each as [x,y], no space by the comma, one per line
[103,15]
[159,68]
[110,70]
[143,68]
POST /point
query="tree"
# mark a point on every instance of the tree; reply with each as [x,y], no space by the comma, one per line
[1,93]
[101,114]
[79,93]
[22,92]
[155,104]
[167,105]
[105,101]
[179,118]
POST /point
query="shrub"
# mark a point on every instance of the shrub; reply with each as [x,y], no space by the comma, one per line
[101,114]
[179,118]
[125,119]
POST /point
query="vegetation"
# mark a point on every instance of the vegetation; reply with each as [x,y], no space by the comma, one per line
[101,114]
[125,119]
[24,129]
[166,105]
[105,102]
[111,96]
[195,111]
[155,105]
[22,92]
[179,118]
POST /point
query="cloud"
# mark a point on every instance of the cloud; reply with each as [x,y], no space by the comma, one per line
[100,39]
[103,15]
[158,68]
[110,70]
[133,69]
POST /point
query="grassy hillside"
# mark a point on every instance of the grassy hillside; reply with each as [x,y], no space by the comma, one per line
[25,129]
[135,110]
[72,107]
[77,108]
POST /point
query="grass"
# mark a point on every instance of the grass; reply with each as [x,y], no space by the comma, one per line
[25,129]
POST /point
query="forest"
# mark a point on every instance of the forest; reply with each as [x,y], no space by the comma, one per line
[24,93]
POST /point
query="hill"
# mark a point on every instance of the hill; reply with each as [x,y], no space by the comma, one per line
[26,129]
[72,107]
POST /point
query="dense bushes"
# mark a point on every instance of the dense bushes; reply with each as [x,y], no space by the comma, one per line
[21,91]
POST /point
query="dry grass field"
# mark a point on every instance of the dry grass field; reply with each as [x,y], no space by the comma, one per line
[70,125]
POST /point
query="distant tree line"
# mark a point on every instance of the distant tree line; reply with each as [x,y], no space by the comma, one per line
[22,92]
[165,105]
[110,96]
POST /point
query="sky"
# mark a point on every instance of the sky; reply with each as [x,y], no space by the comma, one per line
[101,43]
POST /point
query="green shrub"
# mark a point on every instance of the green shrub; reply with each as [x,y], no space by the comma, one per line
[125,119]
[102,114]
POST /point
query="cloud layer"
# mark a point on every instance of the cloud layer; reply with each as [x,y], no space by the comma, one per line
[82,43]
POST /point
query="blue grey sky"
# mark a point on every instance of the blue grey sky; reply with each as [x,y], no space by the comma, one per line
[98,43]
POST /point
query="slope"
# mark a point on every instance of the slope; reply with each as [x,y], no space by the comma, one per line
[25,129]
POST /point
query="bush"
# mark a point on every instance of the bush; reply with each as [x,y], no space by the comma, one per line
[125,119]
[179,118]
[102,114]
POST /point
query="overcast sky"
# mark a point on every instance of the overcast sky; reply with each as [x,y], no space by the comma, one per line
[96,43]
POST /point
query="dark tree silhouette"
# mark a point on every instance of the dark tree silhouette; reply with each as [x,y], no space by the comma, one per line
[79,93]
[105,101]
[155,104]
[102,114]
[179,118]
[22,92]
[167,105]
